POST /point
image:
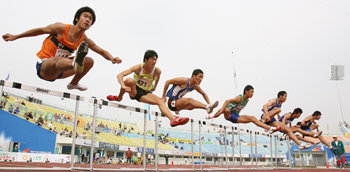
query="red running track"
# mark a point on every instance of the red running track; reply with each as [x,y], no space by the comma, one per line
[55,167]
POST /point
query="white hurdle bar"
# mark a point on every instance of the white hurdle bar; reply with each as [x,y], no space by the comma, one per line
[40,90]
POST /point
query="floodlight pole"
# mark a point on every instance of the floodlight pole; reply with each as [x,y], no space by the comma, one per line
[337,73]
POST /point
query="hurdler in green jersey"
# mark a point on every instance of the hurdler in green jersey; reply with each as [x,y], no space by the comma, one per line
[146,77]
[232,107]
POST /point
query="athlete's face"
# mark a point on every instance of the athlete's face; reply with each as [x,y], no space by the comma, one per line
[318,117]
[85,20]
[250,93]
[297,115]
[151,61]
[283,98]
[198,78]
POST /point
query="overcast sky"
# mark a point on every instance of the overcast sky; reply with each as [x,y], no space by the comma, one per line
[277,45]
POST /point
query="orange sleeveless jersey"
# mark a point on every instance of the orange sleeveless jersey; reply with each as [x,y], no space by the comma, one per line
[59,47]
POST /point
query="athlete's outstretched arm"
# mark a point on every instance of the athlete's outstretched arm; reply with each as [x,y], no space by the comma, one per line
[303,122]
[94,47]
[286,116]
[126,72]
[199,90]
[265,108]
[237,99]
[156,78]
[176,81]
[56,28]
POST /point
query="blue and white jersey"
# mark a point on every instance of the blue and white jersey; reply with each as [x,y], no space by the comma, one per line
[177,92]
[276,105]
[289,120]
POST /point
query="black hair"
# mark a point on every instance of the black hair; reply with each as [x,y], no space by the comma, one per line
[316,113]
[80,11]
[281,93]
[247,88]
[299,123]
[297,110]
[196,72]
[149,54]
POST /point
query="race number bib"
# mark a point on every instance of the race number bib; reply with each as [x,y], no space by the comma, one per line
[143,82]
[62,53]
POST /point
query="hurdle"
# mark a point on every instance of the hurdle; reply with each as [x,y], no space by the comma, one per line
[40,90]
[199,122]
[100,102]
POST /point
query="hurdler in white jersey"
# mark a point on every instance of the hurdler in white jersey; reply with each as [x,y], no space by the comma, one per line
[182,86]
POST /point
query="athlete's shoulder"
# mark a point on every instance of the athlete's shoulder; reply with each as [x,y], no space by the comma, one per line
[135,68]
[237,99]
[157,70]
[59,24]
[308,118]
[272,100]
[288,114]
[55,28]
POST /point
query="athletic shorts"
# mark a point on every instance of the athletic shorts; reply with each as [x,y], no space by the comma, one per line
[139,93]
[172,104]
[38,66]
[271,121]
[234,117]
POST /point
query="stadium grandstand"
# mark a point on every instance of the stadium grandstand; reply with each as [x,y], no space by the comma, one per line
[43,132]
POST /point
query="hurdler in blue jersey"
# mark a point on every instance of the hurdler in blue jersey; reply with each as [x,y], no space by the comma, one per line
[232,107]
[288,118]
[272,108]
[183,85]
[309,124]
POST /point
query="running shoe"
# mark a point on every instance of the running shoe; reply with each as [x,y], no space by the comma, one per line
[273,129]
[178,121]
[212,106]
[112,98]
[304,146]
[78,87]
[209,116]
[316,143]
[78,61]
[308,145]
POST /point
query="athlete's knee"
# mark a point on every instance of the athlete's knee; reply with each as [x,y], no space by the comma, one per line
[190,107]
[252,118]
[159,101]
[189,99]
[189,102]
[284,128]
[227,111]
[89,62]
[278,110]
[129,81]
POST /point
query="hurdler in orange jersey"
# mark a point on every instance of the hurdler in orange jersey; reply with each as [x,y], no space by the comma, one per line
[55,57]
[54,46]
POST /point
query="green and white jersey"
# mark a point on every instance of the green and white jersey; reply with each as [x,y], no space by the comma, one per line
[237,107]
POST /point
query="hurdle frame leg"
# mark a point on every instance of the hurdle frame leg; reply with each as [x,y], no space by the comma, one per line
[75,132]
[93,134]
